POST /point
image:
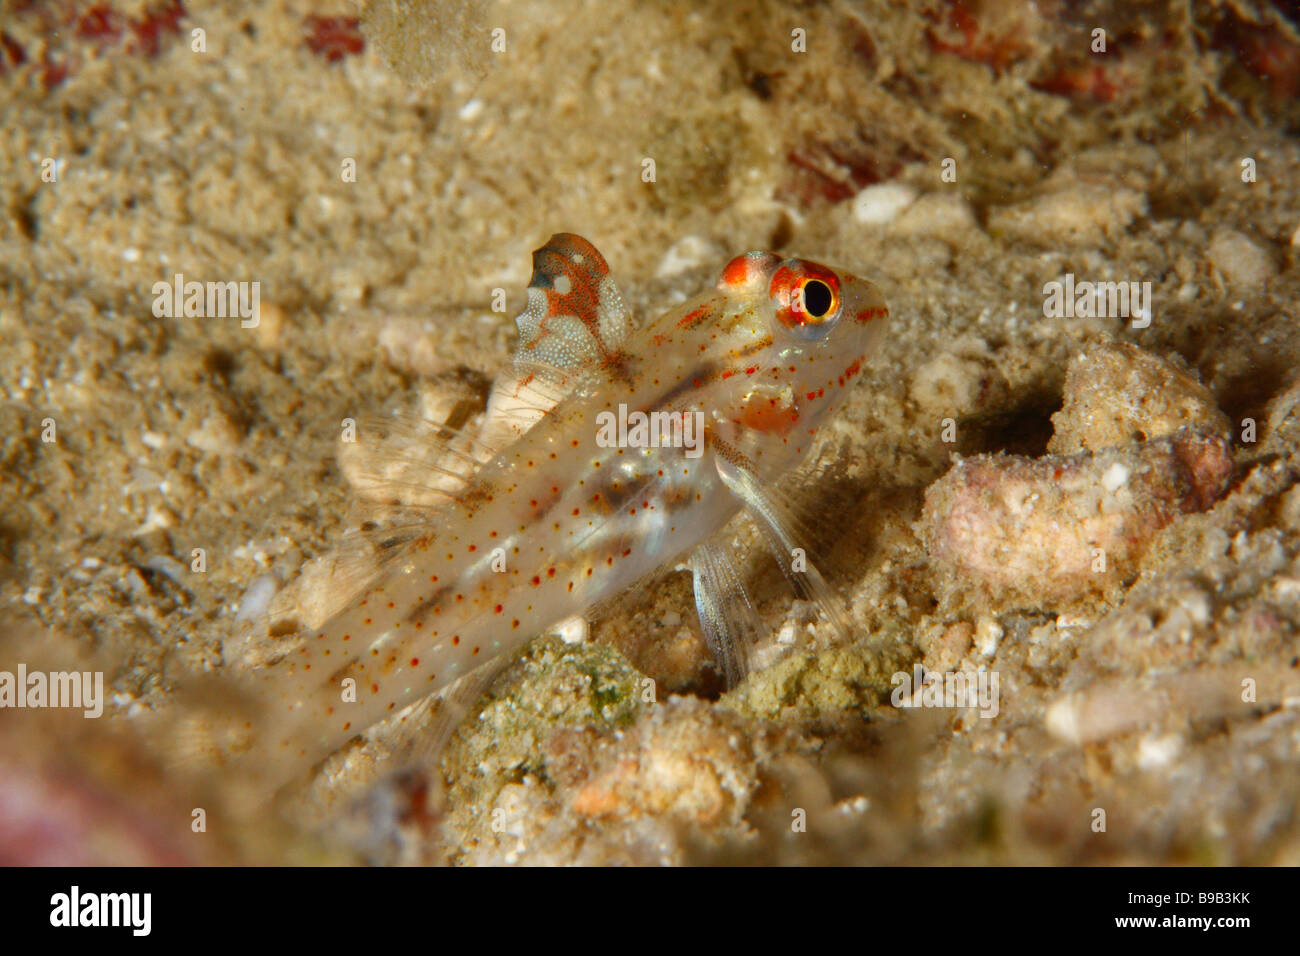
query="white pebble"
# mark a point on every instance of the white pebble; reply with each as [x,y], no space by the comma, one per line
[686,253]
[987,635]
[1239,260]
[1115,478]
[573,630]
[882,202]
[1156,752]
[256,598]
[1062,720]
[167,566]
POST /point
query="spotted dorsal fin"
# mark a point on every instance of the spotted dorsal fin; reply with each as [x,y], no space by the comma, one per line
[576,319]
[574,327]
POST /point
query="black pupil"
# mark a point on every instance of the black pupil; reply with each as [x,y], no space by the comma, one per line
[817,298]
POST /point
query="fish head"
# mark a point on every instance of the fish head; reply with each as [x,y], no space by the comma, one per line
[819,326]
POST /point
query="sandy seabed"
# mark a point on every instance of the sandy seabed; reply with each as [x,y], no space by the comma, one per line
[380,174]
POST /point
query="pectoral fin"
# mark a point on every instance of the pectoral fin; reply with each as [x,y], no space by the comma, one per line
[731,626]
[780,527]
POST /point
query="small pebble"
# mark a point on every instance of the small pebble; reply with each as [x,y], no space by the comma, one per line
[935,214]
[1054,529]
[1081,213]
[1117,394]
[882,202]
[1243,264]
[256,599]
[689,252]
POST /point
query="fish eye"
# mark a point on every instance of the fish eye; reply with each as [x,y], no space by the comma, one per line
[806,297]
[817,298]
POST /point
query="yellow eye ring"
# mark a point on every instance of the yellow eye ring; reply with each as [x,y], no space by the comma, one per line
[805,295]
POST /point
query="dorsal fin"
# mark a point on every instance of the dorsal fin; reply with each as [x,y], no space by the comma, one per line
[574,326]
[576,319]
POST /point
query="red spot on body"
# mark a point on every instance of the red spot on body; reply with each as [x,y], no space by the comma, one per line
[692,317]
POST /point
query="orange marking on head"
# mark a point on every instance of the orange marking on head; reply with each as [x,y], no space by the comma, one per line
[746,270]
[690,318]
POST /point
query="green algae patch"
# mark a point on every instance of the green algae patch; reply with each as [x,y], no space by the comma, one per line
[812,685]
[552,686]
